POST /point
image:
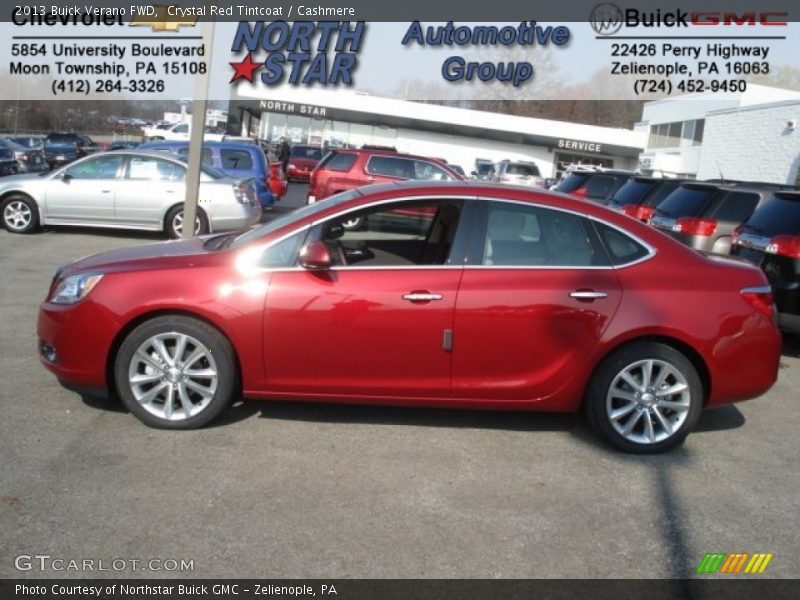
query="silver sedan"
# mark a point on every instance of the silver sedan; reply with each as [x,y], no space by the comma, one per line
[126,189]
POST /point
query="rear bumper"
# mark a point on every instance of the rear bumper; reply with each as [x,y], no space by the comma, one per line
[245,217]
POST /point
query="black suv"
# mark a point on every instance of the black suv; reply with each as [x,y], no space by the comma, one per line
[770,239]
[704,215]
[597,185]
[639,196]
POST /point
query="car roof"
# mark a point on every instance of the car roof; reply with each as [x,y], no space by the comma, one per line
[739,186]
[213,144]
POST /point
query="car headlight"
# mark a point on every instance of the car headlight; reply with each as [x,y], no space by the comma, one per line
[74,288]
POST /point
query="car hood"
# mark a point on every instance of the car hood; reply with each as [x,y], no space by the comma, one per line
[21,178]
[163,255]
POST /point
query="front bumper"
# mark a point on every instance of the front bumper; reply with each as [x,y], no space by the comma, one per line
[81,336]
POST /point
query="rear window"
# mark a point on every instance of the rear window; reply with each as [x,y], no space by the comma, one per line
[686,202]
[663,190]
[306,152]
[600,186]
[62,139]
[338,161]
[522,169]
[236,159]
[780,215]
[735,207]
[6,154]
[572,182]
[633,192]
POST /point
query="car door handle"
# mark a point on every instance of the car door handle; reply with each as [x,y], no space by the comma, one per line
[588,295]
[105,191]
[419,297]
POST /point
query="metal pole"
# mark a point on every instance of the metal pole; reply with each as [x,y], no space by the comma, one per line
[198,121]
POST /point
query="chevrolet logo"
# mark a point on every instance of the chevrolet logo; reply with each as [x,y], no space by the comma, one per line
[161,20]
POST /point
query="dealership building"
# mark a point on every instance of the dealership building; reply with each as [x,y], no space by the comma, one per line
[754,135]
[344,118]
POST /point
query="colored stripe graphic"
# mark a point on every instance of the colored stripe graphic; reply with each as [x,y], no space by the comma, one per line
[735,562]
[759,562]
[721,562]
[711,562]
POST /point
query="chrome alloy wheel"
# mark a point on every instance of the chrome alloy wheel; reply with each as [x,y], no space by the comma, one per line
[177,224]
[648,401]
[17,215]
[173,376]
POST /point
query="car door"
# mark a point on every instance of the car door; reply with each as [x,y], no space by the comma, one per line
[150,186]
[534,300]
[379,323]
[85,191]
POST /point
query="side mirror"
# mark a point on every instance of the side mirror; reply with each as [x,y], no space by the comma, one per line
[66,177]
[315,256]
[473,173]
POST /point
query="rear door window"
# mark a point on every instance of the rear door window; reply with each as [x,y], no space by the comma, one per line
[388,166]
[338,161]
[622,249]
[426,170]
[208,156]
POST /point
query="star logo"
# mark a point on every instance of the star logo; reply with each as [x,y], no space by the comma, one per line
[161,21]
[244,69]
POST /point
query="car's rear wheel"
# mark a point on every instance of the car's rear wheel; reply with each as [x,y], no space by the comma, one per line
[20,214]
[174,222]
[175,372]
[645,398]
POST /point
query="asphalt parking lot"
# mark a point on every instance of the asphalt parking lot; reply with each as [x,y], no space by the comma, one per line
[304,490]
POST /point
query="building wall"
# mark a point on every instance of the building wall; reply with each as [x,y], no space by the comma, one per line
[752,143]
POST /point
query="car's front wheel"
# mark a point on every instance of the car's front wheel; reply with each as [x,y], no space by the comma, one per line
[20,214]
[645,398]
[175,372]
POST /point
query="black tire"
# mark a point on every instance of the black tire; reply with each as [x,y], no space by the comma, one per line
[609,393]
[20,214]
[216,355]
[201,222]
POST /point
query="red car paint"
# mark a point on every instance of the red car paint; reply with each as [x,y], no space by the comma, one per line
[326,181]
[302,161]
[520,340]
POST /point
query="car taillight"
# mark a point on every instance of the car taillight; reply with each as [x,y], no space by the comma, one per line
[784,245]
[695,226]
[632,210]
[240,193]
[761,299]
[643,213]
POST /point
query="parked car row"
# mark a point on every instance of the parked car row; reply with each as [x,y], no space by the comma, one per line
[756,221]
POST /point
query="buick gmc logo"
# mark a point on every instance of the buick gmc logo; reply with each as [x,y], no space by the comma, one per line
[606,18]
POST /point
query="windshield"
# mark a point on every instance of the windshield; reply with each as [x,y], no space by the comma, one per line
[780,215]
[300,213]
[686,202]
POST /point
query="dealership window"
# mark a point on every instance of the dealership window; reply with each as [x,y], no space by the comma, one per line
[297,129]
[681,133]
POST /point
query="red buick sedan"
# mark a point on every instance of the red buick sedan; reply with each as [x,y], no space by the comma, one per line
[446,294]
